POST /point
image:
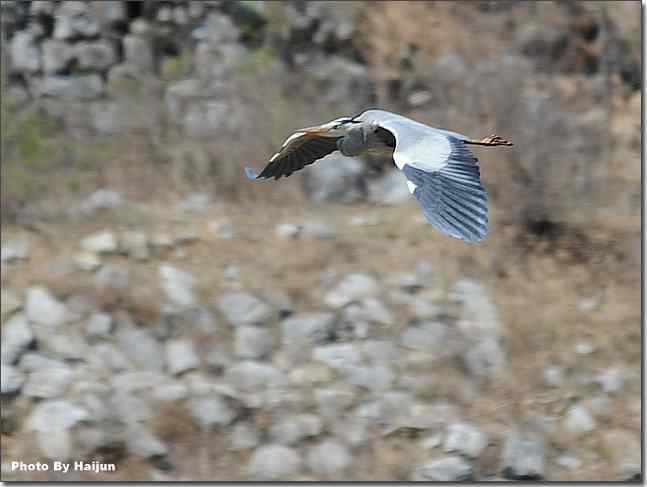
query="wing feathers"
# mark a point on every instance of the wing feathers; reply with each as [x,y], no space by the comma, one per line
[452,197]
[298,151]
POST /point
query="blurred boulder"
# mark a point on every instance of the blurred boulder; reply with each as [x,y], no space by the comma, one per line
[66,344]
[186,321]
[141,348]
[333,401]
[25,55]
[11,378]
[74,18]
[108,13]
[448,469]
[102,199]
[87,261]
[50,415]
[291,430]
[43,309]
[17,336]
[584,348]
[244,436]
[569,462]
[553,376]
[52,421]
[611,380]
[274,462]
[252,341]
[86,87]
[179,285]
[95,55]
[251,376]
[466,439]
[103,242]
[485,358]
[13,250]
[130,409]
[523,458]
[329,458]
[170,392]
[48,383]
[341,80]
[419,307]
[351,288]
[380,351]
[138,52]
[579,420]
[341,356]
[429,337]
[314,327]
[373,377]
[337,178]
[217,30]
[310,374]
[181,356]
[57,55]
[142,442]
[111,357]
[287,230]
[369,309]
[353,431]
[35,361]
[242,308]
[138,381]
[211,410]
[42,7]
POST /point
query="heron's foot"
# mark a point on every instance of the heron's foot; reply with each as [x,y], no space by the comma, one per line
[492,140]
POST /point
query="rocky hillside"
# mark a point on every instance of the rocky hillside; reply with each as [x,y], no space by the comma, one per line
[159,314]
[198,341]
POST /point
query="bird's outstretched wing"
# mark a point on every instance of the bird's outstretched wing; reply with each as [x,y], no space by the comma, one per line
[299,150]
[442,174]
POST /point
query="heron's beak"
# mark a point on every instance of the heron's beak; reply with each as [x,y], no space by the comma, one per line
[315,130]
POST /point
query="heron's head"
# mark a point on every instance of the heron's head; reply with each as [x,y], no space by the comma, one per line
[337,128]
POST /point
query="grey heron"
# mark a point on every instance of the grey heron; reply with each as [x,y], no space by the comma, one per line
[441,171]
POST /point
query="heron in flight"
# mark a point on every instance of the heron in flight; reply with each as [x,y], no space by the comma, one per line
[441,171]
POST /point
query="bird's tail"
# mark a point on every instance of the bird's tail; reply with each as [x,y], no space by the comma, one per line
[250,173]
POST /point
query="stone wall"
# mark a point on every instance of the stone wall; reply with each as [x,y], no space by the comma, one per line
[91,54]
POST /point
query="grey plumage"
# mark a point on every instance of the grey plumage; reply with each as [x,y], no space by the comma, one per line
[442,173]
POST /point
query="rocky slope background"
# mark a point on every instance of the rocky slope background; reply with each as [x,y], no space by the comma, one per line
[160,313]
